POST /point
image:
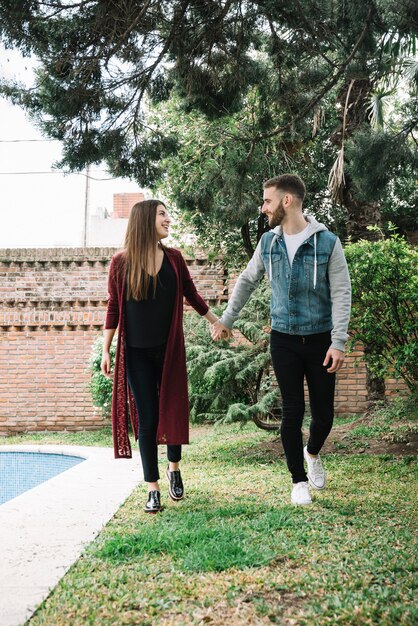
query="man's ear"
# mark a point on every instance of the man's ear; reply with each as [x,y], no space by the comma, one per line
[288,199]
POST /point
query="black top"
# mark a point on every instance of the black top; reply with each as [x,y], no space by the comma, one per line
[148,321]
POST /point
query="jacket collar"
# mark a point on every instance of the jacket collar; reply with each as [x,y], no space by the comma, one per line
[314,227]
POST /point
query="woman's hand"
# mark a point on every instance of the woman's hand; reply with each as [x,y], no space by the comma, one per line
[105,364]
[219,331]
[107,342]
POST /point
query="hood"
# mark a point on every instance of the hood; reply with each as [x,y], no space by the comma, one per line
[314,227]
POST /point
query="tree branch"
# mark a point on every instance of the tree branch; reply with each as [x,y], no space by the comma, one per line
[323,91]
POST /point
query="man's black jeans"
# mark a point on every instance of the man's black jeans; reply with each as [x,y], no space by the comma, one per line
[144,370]
[294,358]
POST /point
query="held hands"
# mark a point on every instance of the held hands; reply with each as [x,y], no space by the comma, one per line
[105,365]
[219,331]
[337,359]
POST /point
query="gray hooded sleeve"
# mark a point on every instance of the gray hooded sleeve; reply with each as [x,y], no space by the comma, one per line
[340,287]
[245,285]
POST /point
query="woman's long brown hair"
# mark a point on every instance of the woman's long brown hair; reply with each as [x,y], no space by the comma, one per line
[140,245]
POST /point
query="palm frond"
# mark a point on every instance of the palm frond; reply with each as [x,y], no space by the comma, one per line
[411,70]
[377,107]
[336,178]
[318,118]
[398,45]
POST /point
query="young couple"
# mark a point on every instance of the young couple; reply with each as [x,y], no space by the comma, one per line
[310,309]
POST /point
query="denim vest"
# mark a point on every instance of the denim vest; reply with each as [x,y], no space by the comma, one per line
[300,294]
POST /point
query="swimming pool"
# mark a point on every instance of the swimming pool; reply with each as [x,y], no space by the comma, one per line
[21,471]
[45,530]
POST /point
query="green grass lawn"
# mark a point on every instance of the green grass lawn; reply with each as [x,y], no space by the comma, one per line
[236,552]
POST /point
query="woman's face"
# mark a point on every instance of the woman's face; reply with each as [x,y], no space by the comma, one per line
[162,222]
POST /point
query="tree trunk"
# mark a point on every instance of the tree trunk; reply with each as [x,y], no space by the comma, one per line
[360,215]
[245,234]
[375,385]
[262,227]
[354,98]
[375,388]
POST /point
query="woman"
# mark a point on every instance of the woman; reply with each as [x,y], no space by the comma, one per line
[147,282]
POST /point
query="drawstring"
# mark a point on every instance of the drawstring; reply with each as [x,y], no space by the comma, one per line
[270,261]
[273,239]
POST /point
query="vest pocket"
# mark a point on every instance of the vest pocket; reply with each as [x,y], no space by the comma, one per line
[276,259]
[321,269]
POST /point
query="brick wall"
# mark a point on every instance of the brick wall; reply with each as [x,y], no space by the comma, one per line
[52,308]
[350,396]
[43,383]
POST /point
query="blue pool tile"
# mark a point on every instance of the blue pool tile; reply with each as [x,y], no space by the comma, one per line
[21,471]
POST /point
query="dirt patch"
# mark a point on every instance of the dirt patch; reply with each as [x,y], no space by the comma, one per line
[340,441]
[254,608]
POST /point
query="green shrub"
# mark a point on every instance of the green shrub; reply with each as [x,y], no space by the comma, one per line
[100,386]
[384,277]
[224,379]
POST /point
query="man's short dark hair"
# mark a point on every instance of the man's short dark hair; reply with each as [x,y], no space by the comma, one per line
[290,183]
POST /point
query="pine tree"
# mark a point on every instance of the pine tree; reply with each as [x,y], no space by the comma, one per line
[234,381]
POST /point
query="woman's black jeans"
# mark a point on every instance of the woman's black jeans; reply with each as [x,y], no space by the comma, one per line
[294,358]
[144,370]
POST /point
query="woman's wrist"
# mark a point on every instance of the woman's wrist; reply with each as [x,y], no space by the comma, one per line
[211,317]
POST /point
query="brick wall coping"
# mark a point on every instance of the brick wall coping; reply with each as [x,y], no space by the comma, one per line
[33,255]
[76,255]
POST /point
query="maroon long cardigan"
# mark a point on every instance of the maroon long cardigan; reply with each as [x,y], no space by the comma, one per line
[173,426]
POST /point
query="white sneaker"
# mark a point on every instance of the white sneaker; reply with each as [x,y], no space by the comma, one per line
[316,472]
[300,493]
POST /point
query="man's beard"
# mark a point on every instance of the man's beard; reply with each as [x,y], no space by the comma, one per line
[278,215]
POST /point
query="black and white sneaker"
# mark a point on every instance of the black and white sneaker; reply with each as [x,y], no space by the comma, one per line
[175,485]
[153,504]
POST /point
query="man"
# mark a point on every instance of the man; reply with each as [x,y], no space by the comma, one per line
[310,310]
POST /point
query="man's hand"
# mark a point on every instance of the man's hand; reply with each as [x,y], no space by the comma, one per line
[219,331]
[105,365]
[337,358]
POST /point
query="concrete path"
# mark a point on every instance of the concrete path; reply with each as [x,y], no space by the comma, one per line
[43,531]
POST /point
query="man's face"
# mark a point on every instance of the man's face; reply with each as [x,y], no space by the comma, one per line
[273,206]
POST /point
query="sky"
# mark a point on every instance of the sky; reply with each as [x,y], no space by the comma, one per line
[42,210]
